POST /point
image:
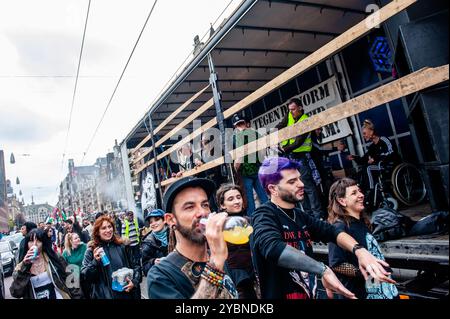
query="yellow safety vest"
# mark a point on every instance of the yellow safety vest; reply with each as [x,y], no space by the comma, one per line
[307,145]
[127,228]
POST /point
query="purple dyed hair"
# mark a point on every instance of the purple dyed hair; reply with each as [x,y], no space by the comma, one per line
[270,170]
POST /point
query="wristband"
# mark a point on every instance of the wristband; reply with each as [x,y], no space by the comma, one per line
[322,272]
[356,247]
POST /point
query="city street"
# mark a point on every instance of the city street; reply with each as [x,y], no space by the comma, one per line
[9,280]
[245,149]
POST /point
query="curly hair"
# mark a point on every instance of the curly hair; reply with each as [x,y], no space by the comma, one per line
[335,210]
[96,240]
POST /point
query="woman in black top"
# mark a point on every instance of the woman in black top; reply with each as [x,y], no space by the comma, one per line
[155,244]
[42,273]
[97,275]
[346,213]
[239,262]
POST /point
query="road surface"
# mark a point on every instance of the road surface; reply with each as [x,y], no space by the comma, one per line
[8,282]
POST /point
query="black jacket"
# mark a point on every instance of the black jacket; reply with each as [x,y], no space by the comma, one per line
[384,150]
[98,277]
[21,286]
[22,251]
[84,235]
[152,249]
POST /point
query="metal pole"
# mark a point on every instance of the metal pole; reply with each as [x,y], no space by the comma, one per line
[226,169]
[152,137]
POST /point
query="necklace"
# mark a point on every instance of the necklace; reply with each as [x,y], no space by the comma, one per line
[38,266]
[293,219]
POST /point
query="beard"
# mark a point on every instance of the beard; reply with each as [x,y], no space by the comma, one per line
[191,233]
[288,196]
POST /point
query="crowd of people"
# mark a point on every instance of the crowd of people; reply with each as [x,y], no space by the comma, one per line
[180,248]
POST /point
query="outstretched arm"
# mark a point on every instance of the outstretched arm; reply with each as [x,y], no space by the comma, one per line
[368,264]
[292,258]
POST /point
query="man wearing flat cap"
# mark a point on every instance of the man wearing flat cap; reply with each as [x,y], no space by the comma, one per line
[196,267]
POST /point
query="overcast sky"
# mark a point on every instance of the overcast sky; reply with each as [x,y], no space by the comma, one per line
[39,48]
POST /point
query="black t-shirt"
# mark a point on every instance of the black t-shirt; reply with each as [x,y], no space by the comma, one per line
[336,256]
[273,230]
[177,277]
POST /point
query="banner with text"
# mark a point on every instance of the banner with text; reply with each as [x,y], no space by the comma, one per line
[315,100]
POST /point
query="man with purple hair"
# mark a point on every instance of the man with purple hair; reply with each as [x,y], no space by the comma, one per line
[283,235]
[299,149]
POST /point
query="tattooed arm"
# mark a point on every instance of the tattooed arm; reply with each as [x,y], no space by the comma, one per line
[219,253]
[206,290]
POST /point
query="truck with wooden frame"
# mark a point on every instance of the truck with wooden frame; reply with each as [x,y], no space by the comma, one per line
[266,48]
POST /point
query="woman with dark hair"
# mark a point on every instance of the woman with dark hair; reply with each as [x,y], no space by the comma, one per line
[239,262]
[42,273]
[25,229]
[346,213]
[97,273]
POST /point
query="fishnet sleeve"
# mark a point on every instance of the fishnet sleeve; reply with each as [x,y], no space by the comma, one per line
[347,269]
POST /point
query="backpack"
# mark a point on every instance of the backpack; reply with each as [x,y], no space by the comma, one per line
[389,224]
[434,223]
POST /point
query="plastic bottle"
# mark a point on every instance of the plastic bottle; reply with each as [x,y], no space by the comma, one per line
[236,229]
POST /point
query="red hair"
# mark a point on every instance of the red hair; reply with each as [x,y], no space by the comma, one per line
[96,231]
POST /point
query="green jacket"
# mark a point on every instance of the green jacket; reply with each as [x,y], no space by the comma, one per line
[76,256]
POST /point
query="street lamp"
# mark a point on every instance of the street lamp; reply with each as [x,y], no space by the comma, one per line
[12,159]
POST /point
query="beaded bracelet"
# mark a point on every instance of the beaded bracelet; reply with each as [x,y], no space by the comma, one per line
[213,276]
[215,282]
[214,269]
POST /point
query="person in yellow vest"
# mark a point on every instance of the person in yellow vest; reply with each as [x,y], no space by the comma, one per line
[130,232]
[298,149]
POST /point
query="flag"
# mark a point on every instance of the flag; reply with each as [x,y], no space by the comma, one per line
[63,215]
[54,212]
[49,220]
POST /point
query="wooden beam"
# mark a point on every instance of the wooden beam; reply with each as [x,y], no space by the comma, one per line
[409,84]
[315,58]
[185,122]
[169,118]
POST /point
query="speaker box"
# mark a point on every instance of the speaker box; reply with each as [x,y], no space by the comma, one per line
[429,115]
[437,187]
[424,43]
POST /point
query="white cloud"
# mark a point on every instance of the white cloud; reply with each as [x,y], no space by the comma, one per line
[44,37]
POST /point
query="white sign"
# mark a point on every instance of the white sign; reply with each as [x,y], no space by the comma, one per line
[315,100]
[148,198]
